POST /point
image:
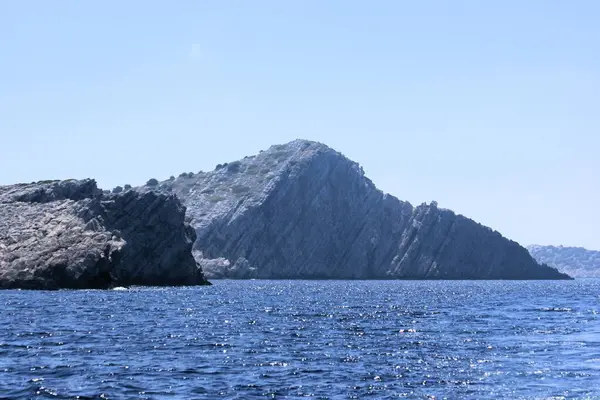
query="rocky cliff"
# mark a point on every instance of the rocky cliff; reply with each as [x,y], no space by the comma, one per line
[303,210]
[67,234]
[575,261]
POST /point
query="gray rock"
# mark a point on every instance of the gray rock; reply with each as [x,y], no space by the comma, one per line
[575,261]
[303,210]
[68,234]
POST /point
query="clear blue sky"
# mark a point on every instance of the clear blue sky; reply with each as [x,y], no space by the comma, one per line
[492,108]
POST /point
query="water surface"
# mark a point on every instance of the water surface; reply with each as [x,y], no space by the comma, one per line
[305,339]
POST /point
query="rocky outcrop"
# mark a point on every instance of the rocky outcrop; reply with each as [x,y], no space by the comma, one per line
[68,234]
[302,210]
[575,261]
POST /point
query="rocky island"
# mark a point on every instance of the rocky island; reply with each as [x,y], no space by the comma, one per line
[295,211]
[304,211]
[68,234]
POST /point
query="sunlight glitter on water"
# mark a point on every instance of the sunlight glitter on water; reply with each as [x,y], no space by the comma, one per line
[321,339]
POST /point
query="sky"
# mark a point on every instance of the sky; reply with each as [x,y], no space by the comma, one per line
[491,108]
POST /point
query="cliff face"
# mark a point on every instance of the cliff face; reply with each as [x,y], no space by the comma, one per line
[575,261]
[302,210]
[67,234]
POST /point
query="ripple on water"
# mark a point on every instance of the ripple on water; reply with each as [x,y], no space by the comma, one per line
[320,339]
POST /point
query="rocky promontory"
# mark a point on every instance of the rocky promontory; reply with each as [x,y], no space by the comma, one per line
[304,211]
[68,234]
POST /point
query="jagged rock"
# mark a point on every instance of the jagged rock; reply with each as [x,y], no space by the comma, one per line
[303,210]
[68,234]
[575,261]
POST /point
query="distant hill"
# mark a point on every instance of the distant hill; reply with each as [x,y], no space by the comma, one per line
[575,261]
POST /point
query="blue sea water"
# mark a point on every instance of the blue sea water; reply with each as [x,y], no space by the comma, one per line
[305,339]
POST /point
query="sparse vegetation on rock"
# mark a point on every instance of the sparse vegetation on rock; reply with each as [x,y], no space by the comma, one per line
[234,166]
[238,189]
[216,199]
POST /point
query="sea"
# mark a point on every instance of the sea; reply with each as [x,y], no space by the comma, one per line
[305,339]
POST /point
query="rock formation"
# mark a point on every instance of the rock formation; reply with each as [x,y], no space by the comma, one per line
[303,210]
[575,261]
[68,234]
